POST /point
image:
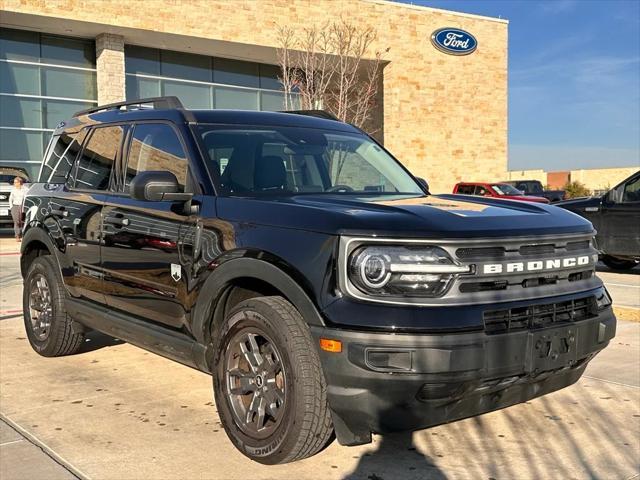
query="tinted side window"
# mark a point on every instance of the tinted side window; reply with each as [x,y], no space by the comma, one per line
[61,157]
[156,146]
[97,158]
[631,191]
[480,190]
[465,189]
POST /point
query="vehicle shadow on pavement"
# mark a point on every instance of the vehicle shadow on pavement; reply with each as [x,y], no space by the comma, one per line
[96,340]
[600,267]
[396,457]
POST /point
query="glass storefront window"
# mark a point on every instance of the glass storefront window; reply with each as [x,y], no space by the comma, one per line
[44,79]
[236,98]
[56,111]
[17,112]
[185,66]
[19,45]
[60,82]
[20,145]
[68,51]
[269,77]
[201,81]
[191,95]
[271,101]
[19,78]
[141,60]
[140,87]
[235,72]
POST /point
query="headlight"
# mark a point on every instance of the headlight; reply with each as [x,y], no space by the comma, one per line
[402,271]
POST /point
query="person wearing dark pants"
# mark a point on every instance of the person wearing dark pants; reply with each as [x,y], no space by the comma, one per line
[16,199]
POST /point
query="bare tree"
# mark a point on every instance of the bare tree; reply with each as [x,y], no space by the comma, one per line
[330,66]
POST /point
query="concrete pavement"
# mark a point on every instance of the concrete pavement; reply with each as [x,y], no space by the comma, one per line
[114,411]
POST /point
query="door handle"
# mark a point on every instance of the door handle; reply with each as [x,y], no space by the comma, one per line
[59,212]
[118,221]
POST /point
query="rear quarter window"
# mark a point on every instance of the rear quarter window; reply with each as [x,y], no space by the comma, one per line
[61,155]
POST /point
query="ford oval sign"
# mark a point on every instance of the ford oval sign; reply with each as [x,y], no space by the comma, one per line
[454,41]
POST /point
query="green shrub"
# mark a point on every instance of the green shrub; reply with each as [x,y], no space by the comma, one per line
[576,189]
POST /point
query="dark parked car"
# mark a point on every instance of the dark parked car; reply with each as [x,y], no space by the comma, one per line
[616,217]
[535,188]
[297,262]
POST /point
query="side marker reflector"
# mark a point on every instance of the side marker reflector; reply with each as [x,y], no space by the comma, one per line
[328,345]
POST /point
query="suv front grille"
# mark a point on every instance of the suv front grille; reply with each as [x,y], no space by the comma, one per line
[539,316]
[480,253]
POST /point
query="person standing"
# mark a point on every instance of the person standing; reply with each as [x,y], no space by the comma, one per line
[16,199]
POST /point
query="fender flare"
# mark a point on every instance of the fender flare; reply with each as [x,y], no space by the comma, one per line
[215,285]
[37,234]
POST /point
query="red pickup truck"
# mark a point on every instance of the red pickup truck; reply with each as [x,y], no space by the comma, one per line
[499,190]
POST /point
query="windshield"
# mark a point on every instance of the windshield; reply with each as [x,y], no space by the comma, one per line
[263,160]
[504,189]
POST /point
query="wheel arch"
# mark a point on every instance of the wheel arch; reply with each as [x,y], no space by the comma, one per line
[246,278]
[35,243]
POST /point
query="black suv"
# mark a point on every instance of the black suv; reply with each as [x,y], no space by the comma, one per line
[294,259]
[616,217]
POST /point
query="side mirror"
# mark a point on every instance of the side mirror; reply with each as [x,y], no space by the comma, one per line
[423,183]
[157,186]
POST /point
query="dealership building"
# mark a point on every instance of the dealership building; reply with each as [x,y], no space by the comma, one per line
[443,115]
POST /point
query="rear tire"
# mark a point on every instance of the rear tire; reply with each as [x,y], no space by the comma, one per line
[268,383]
[618,263]
[49,328]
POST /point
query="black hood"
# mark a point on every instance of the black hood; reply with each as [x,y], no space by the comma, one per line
[439,216]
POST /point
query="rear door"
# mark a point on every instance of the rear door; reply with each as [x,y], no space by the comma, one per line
[147,245]
[619,225]
[74,211]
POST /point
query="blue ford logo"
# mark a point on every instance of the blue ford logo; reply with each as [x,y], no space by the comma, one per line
[454,41]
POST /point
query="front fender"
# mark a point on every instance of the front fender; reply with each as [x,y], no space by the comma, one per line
[246,267]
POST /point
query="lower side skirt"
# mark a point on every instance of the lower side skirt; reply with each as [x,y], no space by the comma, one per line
[150,336]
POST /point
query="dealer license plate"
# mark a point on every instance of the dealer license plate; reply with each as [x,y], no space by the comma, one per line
[4,212]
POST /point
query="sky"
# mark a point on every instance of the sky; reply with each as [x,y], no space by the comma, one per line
[574,80]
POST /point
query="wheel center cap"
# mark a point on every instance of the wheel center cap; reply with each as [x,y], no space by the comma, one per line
[259,381]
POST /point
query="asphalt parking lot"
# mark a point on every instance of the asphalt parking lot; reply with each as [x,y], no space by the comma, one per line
[114,411]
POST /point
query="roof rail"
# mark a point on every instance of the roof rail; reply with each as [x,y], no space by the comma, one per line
[156,102]
[314,113]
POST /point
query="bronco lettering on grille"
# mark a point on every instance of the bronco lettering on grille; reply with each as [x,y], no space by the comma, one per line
[536,265]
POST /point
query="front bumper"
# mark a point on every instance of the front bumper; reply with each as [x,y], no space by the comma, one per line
[384,382]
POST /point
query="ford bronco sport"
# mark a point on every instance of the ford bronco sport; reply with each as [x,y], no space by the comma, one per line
[295,260]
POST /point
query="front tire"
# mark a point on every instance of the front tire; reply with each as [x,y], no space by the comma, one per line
[268,383]
[49,328]
[618,263]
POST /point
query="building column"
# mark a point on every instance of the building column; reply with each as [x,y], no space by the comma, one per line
[110,68]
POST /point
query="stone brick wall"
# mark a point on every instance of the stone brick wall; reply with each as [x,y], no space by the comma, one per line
[445,117]
[110,68]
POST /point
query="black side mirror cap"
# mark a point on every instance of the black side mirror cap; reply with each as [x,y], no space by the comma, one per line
[157,186]
[424,184]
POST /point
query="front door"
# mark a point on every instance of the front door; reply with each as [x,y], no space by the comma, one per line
[146,252]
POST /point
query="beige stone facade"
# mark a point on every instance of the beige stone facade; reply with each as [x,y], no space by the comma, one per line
[443,116]
[110,75]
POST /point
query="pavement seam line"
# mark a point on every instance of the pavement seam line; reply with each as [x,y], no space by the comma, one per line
[45,448]
[11,442]
[612,382]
